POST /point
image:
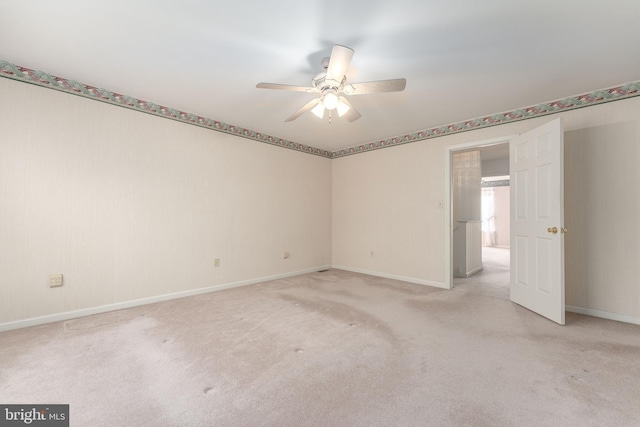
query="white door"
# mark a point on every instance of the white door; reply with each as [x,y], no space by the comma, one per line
[537,220]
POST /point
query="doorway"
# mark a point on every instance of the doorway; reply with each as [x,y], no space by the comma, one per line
[472,206]
[480,200]
[536,219]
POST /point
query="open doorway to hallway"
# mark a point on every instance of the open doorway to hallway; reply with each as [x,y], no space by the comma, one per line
[536,199]
[480,210]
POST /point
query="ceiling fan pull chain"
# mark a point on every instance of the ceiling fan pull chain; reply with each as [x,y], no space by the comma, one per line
[329,116]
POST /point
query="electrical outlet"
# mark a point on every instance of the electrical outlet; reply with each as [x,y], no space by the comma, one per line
[217,262]
[286,254]
[55,280]
[371,254]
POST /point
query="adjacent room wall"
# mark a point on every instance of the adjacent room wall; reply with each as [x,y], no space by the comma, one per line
[129,206]
[501,196]
[466,201]
[466,187]
[495,167]
[389,201]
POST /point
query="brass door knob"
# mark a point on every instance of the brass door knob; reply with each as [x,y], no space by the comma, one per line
[552,230]
[563,230]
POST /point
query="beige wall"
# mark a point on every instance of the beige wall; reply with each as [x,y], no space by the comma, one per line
[389,200]
[602,214]
[130,206]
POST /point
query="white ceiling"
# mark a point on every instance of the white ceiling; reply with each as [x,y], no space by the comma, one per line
[462,58]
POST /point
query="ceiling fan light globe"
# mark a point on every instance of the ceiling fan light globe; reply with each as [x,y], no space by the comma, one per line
[342,108]
[318,110]
[330,101]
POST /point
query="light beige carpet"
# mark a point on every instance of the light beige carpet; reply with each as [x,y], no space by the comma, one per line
[329,349]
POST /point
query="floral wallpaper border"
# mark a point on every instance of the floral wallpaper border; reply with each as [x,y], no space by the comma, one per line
[70,86]
[41,78]
[628,90]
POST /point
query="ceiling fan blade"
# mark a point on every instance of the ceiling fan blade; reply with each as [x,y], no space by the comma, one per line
[308,106]
[393,85]
[339,62]
[352,114]
[286,87]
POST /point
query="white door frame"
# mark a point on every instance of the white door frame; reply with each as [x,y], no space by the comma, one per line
[448,212]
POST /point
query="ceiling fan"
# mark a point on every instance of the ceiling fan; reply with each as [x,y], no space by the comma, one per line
[331,84]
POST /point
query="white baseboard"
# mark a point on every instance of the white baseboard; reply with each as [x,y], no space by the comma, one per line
[392,276]
[34,321]
[474,271]
[603,314]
